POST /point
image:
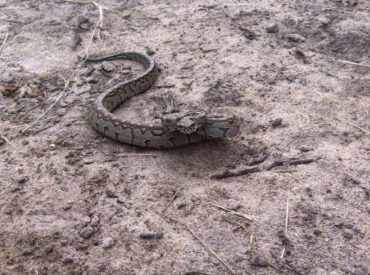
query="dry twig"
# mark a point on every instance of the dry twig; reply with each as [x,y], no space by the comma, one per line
[200,240]
[169,203]
[362,129]
[254,169]
[286,216]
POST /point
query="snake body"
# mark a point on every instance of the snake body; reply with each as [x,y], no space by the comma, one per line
[175,131]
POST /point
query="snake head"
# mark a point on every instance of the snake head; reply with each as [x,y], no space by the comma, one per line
[187,123]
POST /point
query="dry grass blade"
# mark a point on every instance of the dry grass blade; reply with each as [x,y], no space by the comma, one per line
[7,140]
[98,25]
[66,84]
[200,240]
[354,63]
[6,38]
[248,217]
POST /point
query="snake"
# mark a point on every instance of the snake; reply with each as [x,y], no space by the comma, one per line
[175,129]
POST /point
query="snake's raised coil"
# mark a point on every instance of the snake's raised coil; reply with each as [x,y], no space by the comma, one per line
[176,129]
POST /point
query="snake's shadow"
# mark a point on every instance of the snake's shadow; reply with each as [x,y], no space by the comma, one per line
[204,158]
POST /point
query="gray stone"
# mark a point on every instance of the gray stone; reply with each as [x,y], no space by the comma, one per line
[258,260]
[107,242]
[347,234]
[102,268]
[305,148]
[67,259]
[86,232]
[84,26]
[83,89]
[61,111]
[86,220]
[111,193]
[95,221]
[108,67]
[272,28]
[67,206]
[126,72]
[295,37]
[233,204]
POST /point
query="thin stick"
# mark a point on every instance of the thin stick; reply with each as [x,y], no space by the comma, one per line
[200,240]
[66,84]
[6,38]
[353,63]
[286,224]
[286,216]
[362,129]
[168,204]
[7,140]
[248,217]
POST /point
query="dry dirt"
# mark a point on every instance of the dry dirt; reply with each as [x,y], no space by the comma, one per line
[75,202]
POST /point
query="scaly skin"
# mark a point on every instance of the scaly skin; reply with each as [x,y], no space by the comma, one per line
[175,131]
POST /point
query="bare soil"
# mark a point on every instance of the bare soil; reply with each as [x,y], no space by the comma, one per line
[75,202]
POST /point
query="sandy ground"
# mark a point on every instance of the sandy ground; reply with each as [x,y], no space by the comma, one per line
[75,202]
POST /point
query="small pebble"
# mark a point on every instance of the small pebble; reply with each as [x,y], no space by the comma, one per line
[232,204]
[107,242]
[67,259]
[102,268]
[258,260]
[63,242]
[150,51]
[277,122]
[111,193]
[272,28]
[108,67]
[347,234]
[86,220]
[126,72]
[27,251]
[61,111]
[2,142]
[295,37]
[91,80]
[67,206]
[86,232]
[95,221]
[84,26]
[49,249]
[305,148]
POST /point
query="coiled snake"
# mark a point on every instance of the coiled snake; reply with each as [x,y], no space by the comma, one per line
[176,129]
